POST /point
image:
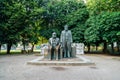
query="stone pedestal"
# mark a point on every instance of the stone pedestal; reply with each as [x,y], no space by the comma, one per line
[77,61]
[46,55]
[73,51]
[79,48]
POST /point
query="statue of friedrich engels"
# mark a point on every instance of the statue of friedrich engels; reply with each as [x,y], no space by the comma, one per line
[66,41]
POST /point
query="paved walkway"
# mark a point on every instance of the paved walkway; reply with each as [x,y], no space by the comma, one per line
[14,67]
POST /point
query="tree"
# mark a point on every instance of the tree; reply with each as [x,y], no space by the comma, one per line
[100,10]
[61,12]
[19,21]
[103,28]
[91,34]
[33,17]
[9,24]
[110,26]
[95,7]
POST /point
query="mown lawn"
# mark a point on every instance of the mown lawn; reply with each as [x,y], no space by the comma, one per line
[16,52]
[12,52]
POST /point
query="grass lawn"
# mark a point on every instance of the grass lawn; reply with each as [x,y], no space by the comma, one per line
[16,52]
[12,52]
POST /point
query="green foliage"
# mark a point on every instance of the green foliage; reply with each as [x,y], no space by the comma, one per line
[20,20]
[110,23]
[29,18]
[118,34]
[97,6]
[61,12]
[9,24]
[78,33]
[103,27]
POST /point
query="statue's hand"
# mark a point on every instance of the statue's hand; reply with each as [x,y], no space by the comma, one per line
[57,47]
[61,46]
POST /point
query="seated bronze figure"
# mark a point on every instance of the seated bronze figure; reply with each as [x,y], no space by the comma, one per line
[53,47]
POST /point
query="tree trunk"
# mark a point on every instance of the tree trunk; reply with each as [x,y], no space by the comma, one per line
[42,40]
[88,48]
[105,47]
[24,47]
[0,47]
[32,48]
[118,47]
[112,47]
[9,47]
[96,48]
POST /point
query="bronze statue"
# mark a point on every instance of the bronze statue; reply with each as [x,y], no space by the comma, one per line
[53,47]
[66,41]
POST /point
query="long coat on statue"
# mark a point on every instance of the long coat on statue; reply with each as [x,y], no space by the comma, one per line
[53,47]
[66,41]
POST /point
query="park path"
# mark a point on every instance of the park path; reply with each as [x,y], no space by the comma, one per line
[14,67]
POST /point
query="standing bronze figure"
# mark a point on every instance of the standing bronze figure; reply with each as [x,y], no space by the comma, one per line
[66,41]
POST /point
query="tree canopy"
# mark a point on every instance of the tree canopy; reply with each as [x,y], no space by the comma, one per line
[27,21]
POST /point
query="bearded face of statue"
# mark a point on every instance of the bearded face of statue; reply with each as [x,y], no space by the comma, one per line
[54,35]
[66,27]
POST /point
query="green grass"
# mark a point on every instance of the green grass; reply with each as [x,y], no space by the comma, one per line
[3,52]
[36,50]
[12,52]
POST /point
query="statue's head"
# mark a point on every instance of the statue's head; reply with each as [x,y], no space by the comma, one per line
[66,27]
[54,34]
